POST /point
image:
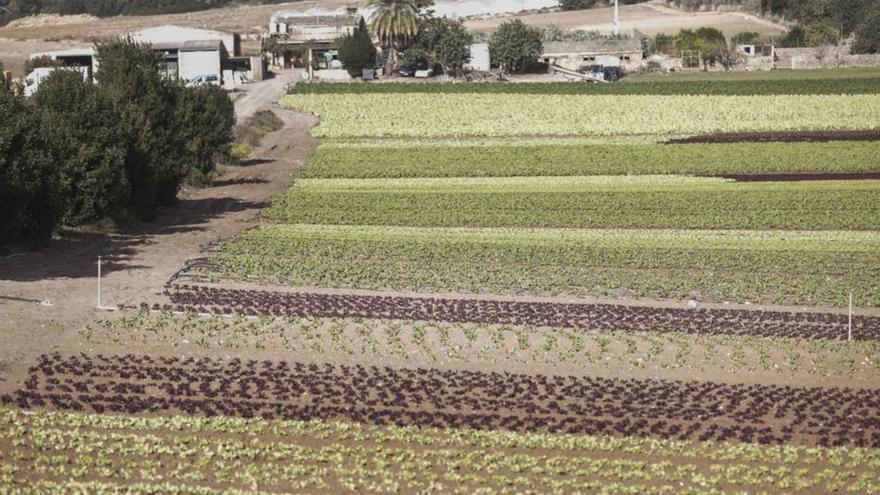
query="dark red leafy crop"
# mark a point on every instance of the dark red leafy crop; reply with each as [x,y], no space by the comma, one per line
[460,399]
[574,315]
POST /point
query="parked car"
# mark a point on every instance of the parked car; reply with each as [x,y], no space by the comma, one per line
[205,80]
[407,70]
[414,71]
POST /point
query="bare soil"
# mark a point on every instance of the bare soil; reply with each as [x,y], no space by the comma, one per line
[649,18]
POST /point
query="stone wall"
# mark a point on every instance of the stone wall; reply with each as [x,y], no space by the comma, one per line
[823,57]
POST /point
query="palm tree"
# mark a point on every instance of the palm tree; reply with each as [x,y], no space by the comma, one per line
[394,22]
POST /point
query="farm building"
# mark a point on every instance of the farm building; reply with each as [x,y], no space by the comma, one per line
[188,54]
[180,35]
[309,39]
[573,55]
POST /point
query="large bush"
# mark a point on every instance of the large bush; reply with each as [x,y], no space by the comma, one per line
[357,52]
[78,152]
[820,33]
[205,117]
[29,180]
[514,45]
[84,143]
[867,36]
[441,42]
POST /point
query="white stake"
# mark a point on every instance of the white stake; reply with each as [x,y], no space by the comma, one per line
[99,281]
[616,20]
[849,333]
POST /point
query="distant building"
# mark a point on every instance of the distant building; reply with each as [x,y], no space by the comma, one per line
[179,34]
[188,54]
[761,50]
[573,55]
[309,39]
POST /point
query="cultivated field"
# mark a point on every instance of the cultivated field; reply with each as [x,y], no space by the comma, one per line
[488,288]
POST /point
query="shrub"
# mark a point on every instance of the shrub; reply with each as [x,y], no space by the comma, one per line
[867,35]
[356,52]
[240,151]
[744,38]
[85,144]
[205,116]
[29,180]
[576,4]
[819,33]
[514,45]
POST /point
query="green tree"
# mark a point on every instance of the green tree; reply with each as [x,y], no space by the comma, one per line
[576,4]
[453,50]
[867,35]
[204,119]
[394,23]
[822,32]
[29,181]
[745,38]
[85,144]
[356,52]
[794,37]
[514,45]
[129,75]
[442,42]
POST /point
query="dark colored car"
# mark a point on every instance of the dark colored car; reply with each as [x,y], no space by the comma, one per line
[407,70]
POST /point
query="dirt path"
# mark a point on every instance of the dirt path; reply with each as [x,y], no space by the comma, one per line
[263,94]
[139,260]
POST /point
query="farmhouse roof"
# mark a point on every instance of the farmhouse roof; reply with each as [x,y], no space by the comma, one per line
[201,45]
[600,46]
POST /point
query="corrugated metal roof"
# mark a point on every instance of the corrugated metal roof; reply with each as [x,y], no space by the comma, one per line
[320,20]
[201,45]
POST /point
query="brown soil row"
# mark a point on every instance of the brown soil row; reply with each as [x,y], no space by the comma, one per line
[459,399]
[799,177]
[571,315]
[780,137]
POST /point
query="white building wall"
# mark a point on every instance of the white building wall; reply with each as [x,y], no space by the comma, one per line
[199,63]
[177,34]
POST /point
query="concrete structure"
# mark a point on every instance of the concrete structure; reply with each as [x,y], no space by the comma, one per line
[74,57]
[179,35]
[573,55]
[187,52]
[309,39]
[756,57]
[199,58]
[480,60]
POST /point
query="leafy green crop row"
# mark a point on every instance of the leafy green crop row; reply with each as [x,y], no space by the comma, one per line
[192,455]
[498,159]
[432,115]
[655,202]
[548,158]
[781,267]
[568,350]
[793,86]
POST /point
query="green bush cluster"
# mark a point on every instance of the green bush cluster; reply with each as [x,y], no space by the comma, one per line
[76,152]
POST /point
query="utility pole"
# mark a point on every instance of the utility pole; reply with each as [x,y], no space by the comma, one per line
[616,20]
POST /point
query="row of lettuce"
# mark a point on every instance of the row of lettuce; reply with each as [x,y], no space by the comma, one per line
[48,450]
